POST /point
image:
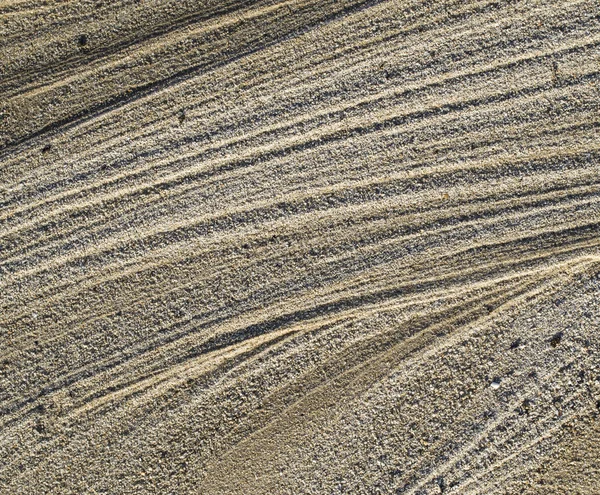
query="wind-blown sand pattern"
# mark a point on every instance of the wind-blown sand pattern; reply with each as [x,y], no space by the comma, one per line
[299,247]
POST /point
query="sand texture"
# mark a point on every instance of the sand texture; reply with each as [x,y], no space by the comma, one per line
[299,247]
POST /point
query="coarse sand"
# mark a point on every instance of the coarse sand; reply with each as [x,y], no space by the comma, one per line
[299,247]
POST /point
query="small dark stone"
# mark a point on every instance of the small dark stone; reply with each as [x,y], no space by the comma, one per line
[82,40]
[442,484]
[46,148]
[555,73]
[516,344]
[525,407]
[182,116]
[39,427]
[40,409]
[555,340]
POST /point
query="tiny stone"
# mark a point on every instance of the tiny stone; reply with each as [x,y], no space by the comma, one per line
[554,341]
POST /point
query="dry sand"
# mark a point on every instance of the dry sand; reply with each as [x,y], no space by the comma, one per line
[299,247]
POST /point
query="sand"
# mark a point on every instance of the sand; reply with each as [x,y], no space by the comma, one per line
[299,247]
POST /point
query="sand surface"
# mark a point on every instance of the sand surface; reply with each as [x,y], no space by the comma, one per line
[299,247]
